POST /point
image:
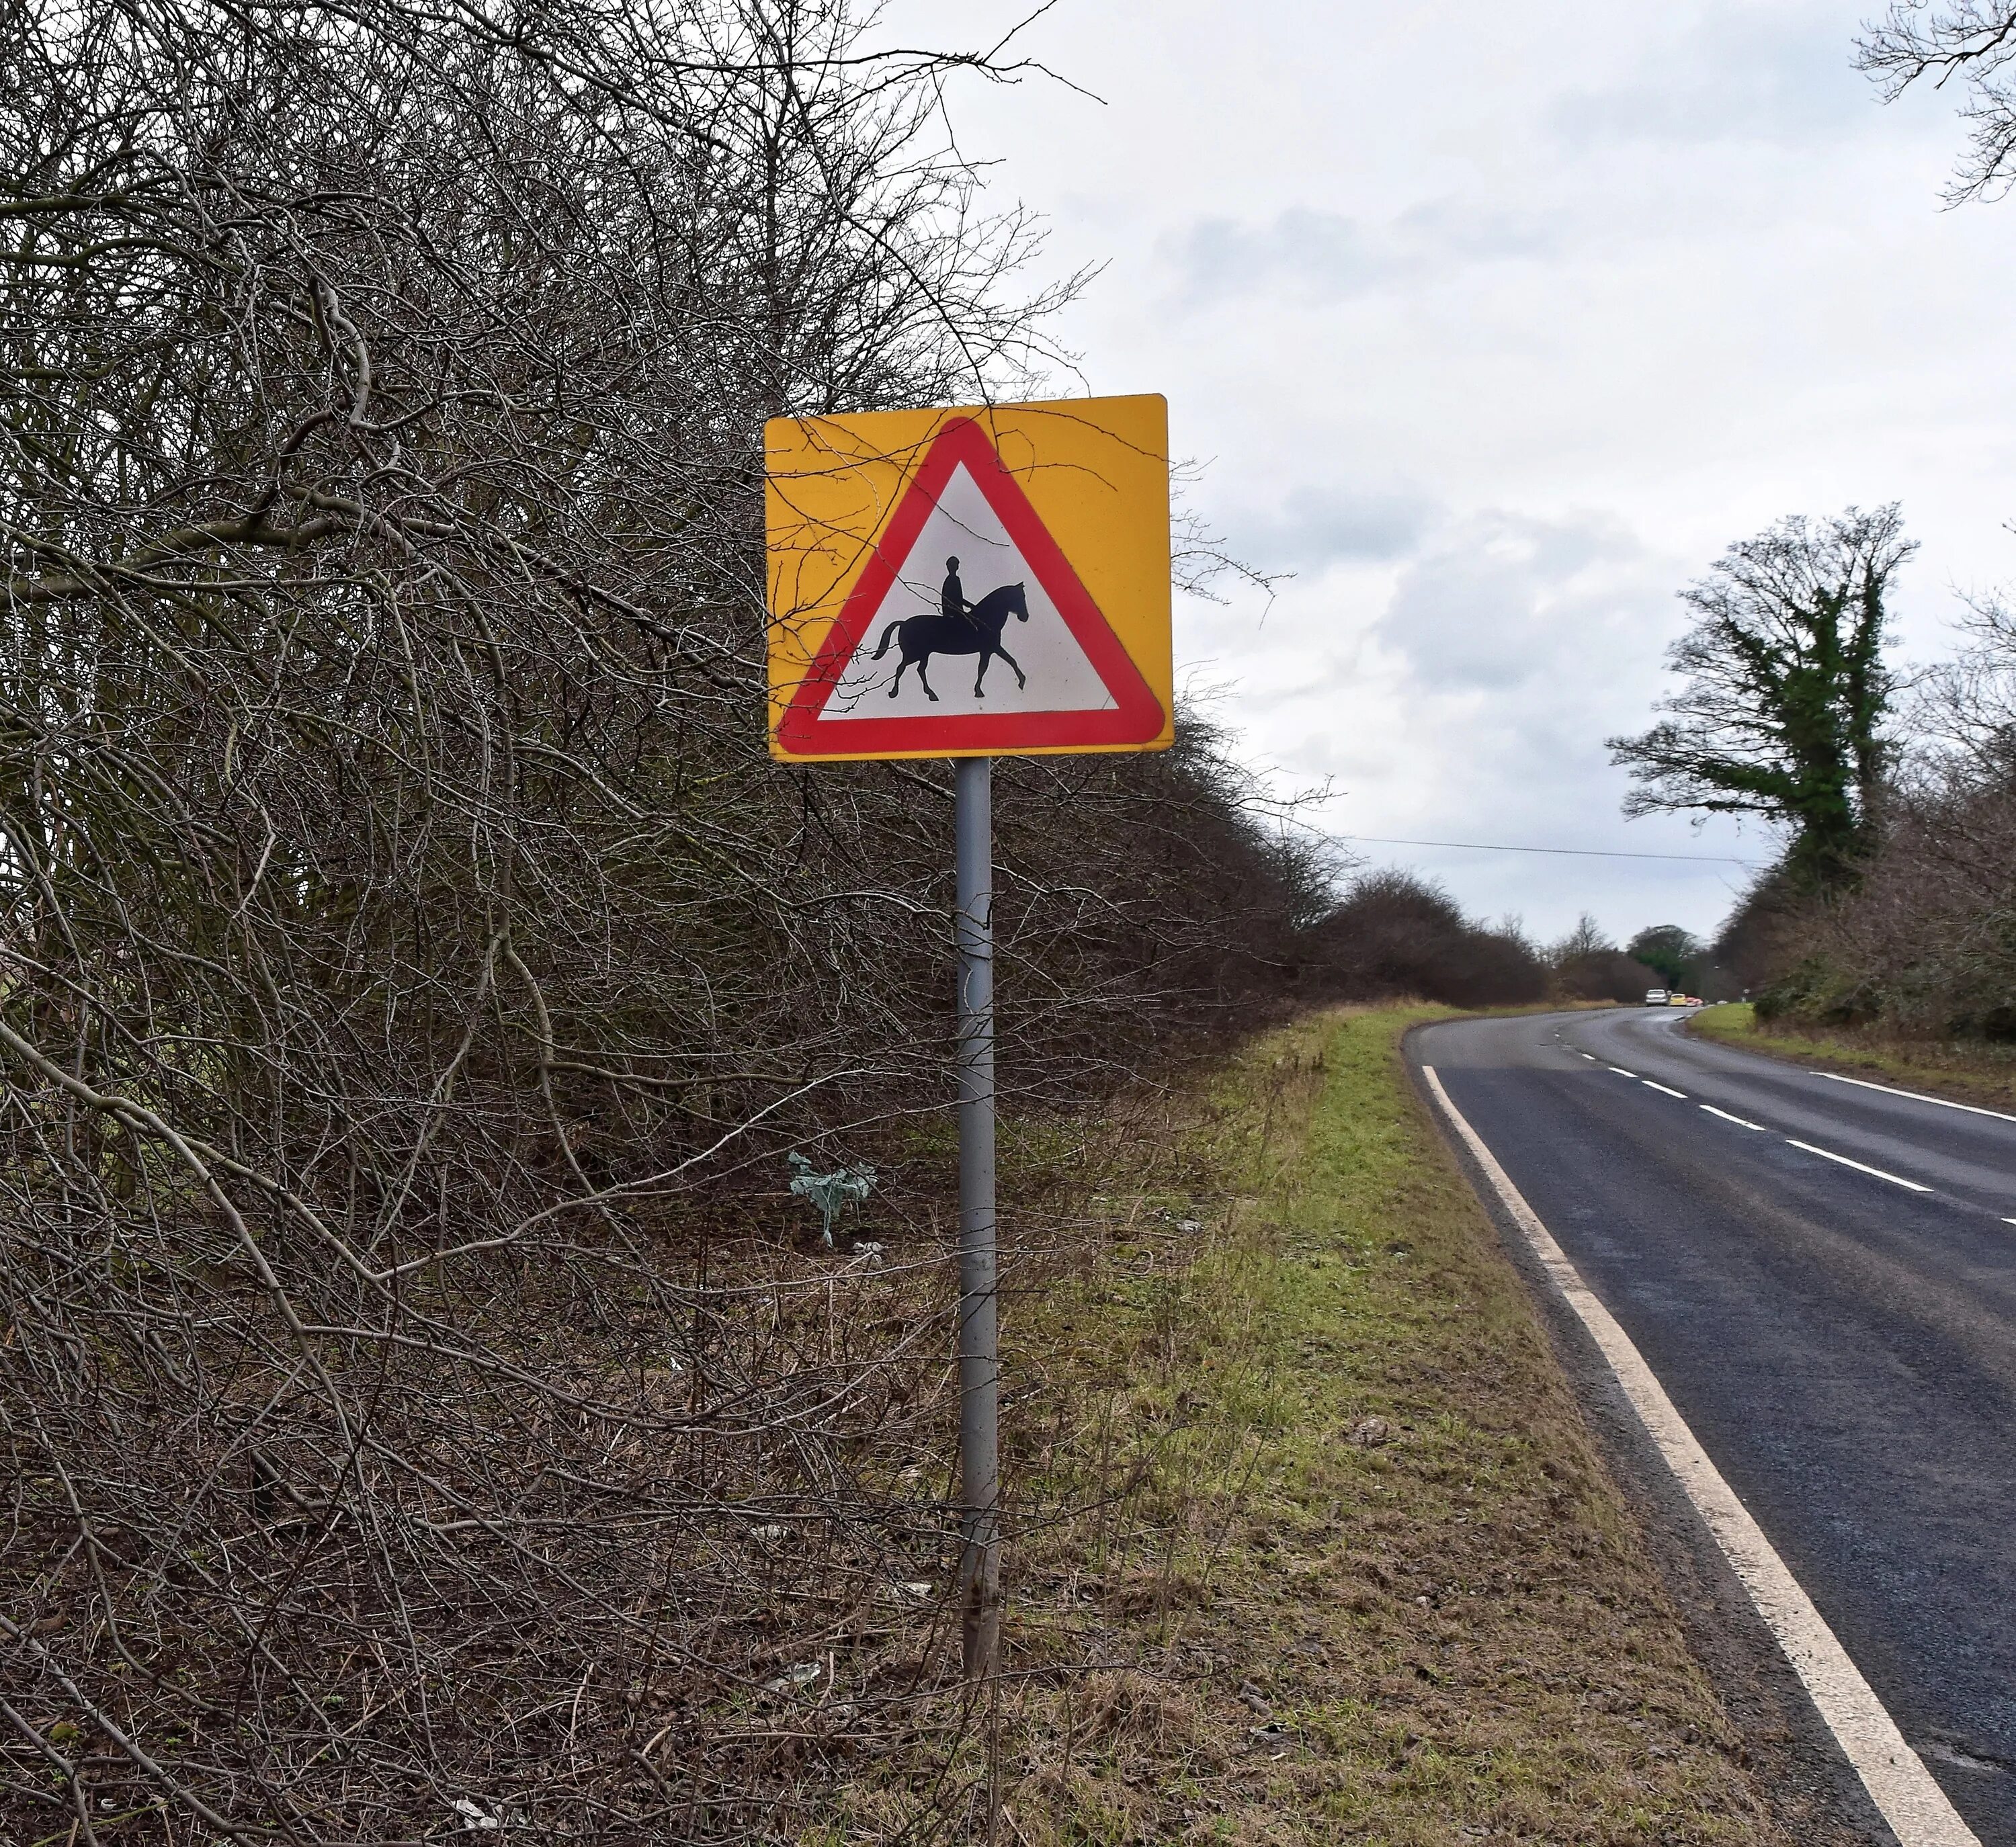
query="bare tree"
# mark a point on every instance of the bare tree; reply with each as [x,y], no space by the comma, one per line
[1966,707]
[1939,41]
[1587,965]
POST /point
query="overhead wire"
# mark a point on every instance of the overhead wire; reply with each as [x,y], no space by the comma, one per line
[1478,846]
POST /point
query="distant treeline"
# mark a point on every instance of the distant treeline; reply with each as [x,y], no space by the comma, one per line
[1393,932]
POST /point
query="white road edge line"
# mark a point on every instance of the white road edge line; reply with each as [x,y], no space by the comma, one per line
[1649,1085]
[1944,1103]
[1622,1072]
[1737,1120]
[1828,1154]
[1896,1776]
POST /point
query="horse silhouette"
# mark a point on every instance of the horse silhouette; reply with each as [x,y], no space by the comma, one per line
[978,631]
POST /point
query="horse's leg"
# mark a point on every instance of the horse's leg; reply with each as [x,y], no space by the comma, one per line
[896,684]
[986,654]
[926,684]
[1021,679]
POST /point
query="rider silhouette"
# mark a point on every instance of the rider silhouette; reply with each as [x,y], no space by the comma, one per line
[951,599]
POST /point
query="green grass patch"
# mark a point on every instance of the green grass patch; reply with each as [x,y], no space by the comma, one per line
[1311,1543]
[1966,1071]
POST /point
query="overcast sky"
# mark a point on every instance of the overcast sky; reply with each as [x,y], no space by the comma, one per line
[1495,325]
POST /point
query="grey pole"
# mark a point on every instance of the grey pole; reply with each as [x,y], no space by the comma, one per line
[979,1358]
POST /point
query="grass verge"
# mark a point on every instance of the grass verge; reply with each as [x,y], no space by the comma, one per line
[1312,1542]
[1966,1071]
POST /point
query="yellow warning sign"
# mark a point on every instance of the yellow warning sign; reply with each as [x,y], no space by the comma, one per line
[971,582]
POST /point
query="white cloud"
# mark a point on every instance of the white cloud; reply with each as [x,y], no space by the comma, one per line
[1317,257]
[1505,600]
[1315,528]
[1781,72]
[1499,324]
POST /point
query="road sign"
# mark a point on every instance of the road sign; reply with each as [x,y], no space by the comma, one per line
[959,583]
[971,584]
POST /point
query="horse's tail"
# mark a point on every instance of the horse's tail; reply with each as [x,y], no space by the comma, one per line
[882,646]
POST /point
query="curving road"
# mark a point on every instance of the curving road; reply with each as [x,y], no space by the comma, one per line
[1822,1276]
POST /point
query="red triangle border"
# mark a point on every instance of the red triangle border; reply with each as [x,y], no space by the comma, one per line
[1136,716]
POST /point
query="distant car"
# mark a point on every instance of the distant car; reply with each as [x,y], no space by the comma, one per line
[1655,997]
[1683,1000]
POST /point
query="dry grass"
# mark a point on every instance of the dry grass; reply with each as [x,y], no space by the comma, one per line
[1969,1071]
[1310,1543]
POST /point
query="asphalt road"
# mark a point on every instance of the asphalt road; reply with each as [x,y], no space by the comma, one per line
[1843,1346]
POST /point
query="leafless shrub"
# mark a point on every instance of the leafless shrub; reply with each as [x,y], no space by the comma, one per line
[1395,933]
[1926,944]
[418,1415]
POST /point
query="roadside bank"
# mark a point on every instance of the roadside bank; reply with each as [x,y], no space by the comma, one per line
[1971,1071]
[1311,1541]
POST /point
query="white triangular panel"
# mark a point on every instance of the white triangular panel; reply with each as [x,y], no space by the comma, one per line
[964,525]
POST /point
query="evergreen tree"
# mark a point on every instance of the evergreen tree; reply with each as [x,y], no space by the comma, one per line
[1782,712]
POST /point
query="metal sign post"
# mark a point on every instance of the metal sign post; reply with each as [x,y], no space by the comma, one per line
[979,1356]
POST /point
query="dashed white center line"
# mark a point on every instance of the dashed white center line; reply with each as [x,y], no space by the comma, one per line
[1824,1154]
[1827,1154]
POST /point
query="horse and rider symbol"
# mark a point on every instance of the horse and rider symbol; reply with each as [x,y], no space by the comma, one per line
[958,628]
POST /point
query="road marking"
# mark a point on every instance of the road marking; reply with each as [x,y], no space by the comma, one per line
[1649,1084]
[1896,1776]
[1622,1072]
[1591,1057]
[1944,1103]
[1895,1179]
[1737,1120]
